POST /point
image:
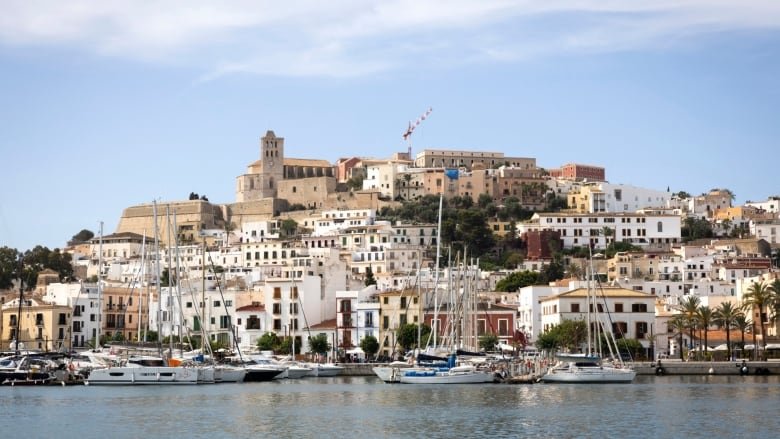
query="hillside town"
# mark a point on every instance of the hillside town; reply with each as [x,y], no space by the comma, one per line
[310,247]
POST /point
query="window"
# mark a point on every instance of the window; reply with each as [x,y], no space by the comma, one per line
[224,322]
[277,308]
[575,307]
[618,307]
[277,293]
[660,227]
[385,322]
[641,330]
[216,304]
[639,307]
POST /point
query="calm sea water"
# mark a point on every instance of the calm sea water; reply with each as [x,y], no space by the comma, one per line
[364,407]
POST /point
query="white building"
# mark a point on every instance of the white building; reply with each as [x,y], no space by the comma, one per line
[772,204]
[632,313]
[595,197]
[83,299]
[529,312]
[578,230]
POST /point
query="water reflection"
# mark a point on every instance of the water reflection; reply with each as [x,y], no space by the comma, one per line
[669,406]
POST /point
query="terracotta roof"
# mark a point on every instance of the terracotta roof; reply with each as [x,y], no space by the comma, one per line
[259,308]
[327,324]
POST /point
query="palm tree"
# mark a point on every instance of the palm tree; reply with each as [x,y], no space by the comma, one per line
[760,295]
[704,316]
[775,287]
[743,323]
[725,318]
[689,307]
[677,324]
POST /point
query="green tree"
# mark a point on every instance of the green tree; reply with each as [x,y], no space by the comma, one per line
[516,280]
[319,344]
[759,297]
[268,342]
[41,258]
[725,318]
[488,342]
[484,200]
[370,345]
[288,227]
[743,324]
[569,334]
[407,336]
[678,324]
[83,236]
[355,183]
[695,228]
[705,318]
[9,267]
[370,279]
[689,306]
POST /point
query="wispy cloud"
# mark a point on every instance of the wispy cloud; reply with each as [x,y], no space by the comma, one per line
[360,37]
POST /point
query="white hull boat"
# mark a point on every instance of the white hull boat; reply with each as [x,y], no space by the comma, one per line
[143,375]
[392,372]
[324,370]
[455,375]
[589,373]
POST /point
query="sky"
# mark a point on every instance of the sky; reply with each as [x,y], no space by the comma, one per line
[108,104]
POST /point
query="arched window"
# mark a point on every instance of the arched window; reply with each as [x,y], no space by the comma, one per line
[660,227]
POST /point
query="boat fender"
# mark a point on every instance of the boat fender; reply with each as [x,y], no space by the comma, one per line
[743,370]
[71,367]
[660,371]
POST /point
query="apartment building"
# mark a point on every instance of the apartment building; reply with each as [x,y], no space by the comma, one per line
[600,229]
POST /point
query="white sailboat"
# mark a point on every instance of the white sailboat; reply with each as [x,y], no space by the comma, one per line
[590,367]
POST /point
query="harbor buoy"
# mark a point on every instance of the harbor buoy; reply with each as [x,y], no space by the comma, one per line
[743,370]
[660,371]
[711,371]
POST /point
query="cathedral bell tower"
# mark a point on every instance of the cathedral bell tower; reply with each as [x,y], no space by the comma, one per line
[272,157]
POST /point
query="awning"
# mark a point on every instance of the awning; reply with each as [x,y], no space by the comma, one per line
[356,351]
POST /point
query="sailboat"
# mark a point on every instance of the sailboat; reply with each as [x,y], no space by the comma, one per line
[148,369]
[589,367]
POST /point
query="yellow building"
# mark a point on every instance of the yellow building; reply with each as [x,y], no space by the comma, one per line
[36,325]
[396,308]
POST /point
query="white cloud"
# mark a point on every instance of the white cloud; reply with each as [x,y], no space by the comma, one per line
[361,37]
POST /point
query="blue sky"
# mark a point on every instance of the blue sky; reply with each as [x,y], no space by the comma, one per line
[108,104]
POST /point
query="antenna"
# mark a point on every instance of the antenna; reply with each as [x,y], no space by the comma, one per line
[408,133]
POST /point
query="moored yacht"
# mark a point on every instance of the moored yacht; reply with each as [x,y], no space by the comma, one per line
[145,370]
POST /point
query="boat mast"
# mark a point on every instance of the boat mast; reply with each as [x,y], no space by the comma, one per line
[100,287]
[170,282]
[158,275]
[436,277]
[141,289]
[21,300]
[203,300]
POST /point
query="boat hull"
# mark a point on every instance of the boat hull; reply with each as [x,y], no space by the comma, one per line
[143,375]
[447,377]
[588,375]
[258,375]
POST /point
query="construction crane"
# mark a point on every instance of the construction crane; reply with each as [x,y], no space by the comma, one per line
[408,133]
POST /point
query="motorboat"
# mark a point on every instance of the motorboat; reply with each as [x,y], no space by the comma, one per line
[324,369]
[146,370]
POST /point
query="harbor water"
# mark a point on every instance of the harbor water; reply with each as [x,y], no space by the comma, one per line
[364,407]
